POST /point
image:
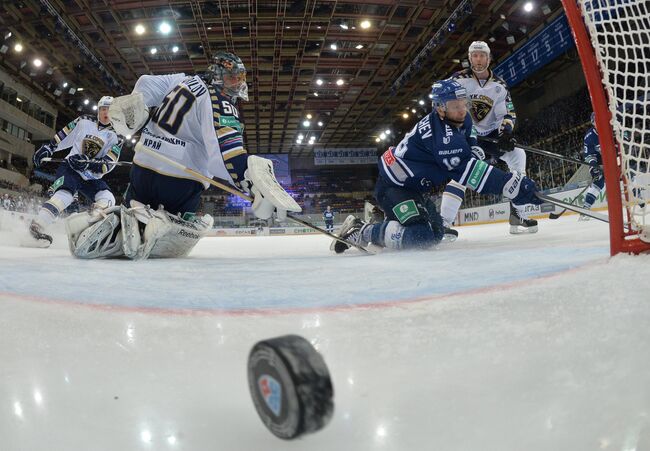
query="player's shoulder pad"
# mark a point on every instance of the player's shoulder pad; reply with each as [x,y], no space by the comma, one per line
[86,117]
[499,80]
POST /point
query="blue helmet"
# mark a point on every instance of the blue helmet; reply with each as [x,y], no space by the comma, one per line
[443,91]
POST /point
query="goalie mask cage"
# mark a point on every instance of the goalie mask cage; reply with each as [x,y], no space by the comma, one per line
[613,41]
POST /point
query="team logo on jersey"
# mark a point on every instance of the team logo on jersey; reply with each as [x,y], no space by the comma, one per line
[271,391]
[481,107]
[91,145]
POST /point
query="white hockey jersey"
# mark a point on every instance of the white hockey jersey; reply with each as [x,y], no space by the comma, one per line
[194,125]
[491,103]
[86,135]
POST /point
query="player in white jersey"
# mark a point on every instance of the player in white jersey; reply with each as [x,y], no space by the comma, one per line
[494,118]
[93,147]
[193,121]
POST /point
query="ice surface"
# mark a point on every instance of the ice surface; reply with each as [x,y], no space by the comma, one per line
[494,342]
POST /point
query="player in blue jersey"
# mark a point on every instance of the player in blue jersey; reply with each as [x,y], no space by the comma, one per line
[438,149]
[591,155]
[328,217]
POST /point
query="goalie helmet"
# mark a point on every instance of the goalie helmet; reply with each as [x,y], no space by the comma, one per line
[105,102]
[229,73]
[443,91]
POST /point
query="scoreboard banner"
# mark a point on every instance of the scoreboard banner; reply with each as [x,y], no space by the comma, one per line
[541,49]
[345,155]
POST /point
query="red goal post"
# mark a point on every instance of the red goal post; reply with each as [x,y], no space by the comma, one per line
[613,41]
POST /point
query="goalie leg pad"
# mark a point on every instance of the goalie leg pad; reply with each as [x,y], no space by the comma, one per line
[158,234]
[96,235]
[266,187]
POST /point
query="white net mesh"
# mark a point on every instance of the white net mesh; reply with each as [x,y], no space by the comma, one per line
[620,35]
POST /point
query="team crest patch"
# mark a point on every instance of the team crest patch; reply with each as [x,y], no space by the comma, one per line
[271,392]
[481,107]
[91,145]
[405,210]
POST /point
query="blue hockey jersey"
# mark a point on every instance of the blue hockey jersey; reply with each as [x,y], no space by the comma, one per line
[591,150]
[434,152]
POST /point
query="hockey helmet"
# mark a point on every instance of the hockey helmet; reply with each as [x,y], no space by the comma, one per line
[479,46]
[228,72]
[443,91]
[105,102]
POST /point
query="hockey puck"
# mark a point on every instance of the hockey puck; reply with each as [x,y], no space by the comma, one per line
[290,386]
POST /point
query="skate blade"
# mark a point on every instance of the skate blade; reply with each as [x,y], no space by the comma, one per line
[449,238]
[32,242]
[520,230]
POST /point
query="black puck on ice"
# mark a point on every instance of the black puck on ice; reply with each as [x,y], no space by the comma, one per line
[290,386]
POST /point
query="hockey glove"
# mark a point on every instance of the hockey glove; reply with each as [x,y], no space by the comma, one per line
[521,190]
[506,141]
[79,162]
[98,166]
[45,151]
[596,172]
[478,153]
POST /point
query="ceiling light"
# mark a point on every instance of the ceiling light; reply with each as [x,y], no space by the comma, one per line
[339,82]
[164,28]
[86,102]
[298,141]
[344,26]
[175,49]
[301,136]
[305,123]
[94,107]
[140,29]
[333,46]
[18,99]
[315,94]
[18,47]
[133,141]
[377,140]
[528,7]
[365,24]
[320,123]
[80,89]
[65,84]
[431,96]
[309,116]
[358,46]
[128,136]
[382,136]
[153,50]
[413,110]
[421,102]
[37,62]
[405,115]
[387,132]
[319,82]
[8,35]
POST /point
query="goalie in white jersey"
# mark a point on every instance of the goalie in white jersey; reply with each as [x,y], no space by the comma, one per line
[92,148]
[494,118]
[194,122]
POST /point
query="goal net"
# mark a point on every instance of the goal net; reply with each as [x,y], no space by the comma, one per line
[613,40]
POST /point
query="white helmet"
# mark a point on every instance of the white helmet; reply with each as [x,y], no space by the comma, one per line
[105,101]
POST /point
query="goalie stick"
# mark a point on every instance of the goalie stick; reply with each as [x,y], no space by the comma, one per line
[557,215]
[114,163]
[572,207]
[141,148]
[537,151]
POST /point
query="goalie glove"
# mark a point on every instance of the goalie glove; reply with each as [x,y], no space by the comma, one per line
[45,151]
[128,114]
[79,162]
[268,195]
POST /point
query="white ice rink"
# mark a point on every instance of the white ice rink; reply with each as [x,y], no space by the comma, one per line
[495,342]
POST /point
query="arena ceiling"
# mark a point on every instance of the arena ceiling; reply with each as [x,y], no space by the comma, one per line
[286,46]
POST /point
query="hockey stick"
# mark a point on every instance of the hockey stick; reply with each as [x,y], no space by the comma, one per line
[537,151]
[557,215]
[141,148]
[572,207]
[115,163]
